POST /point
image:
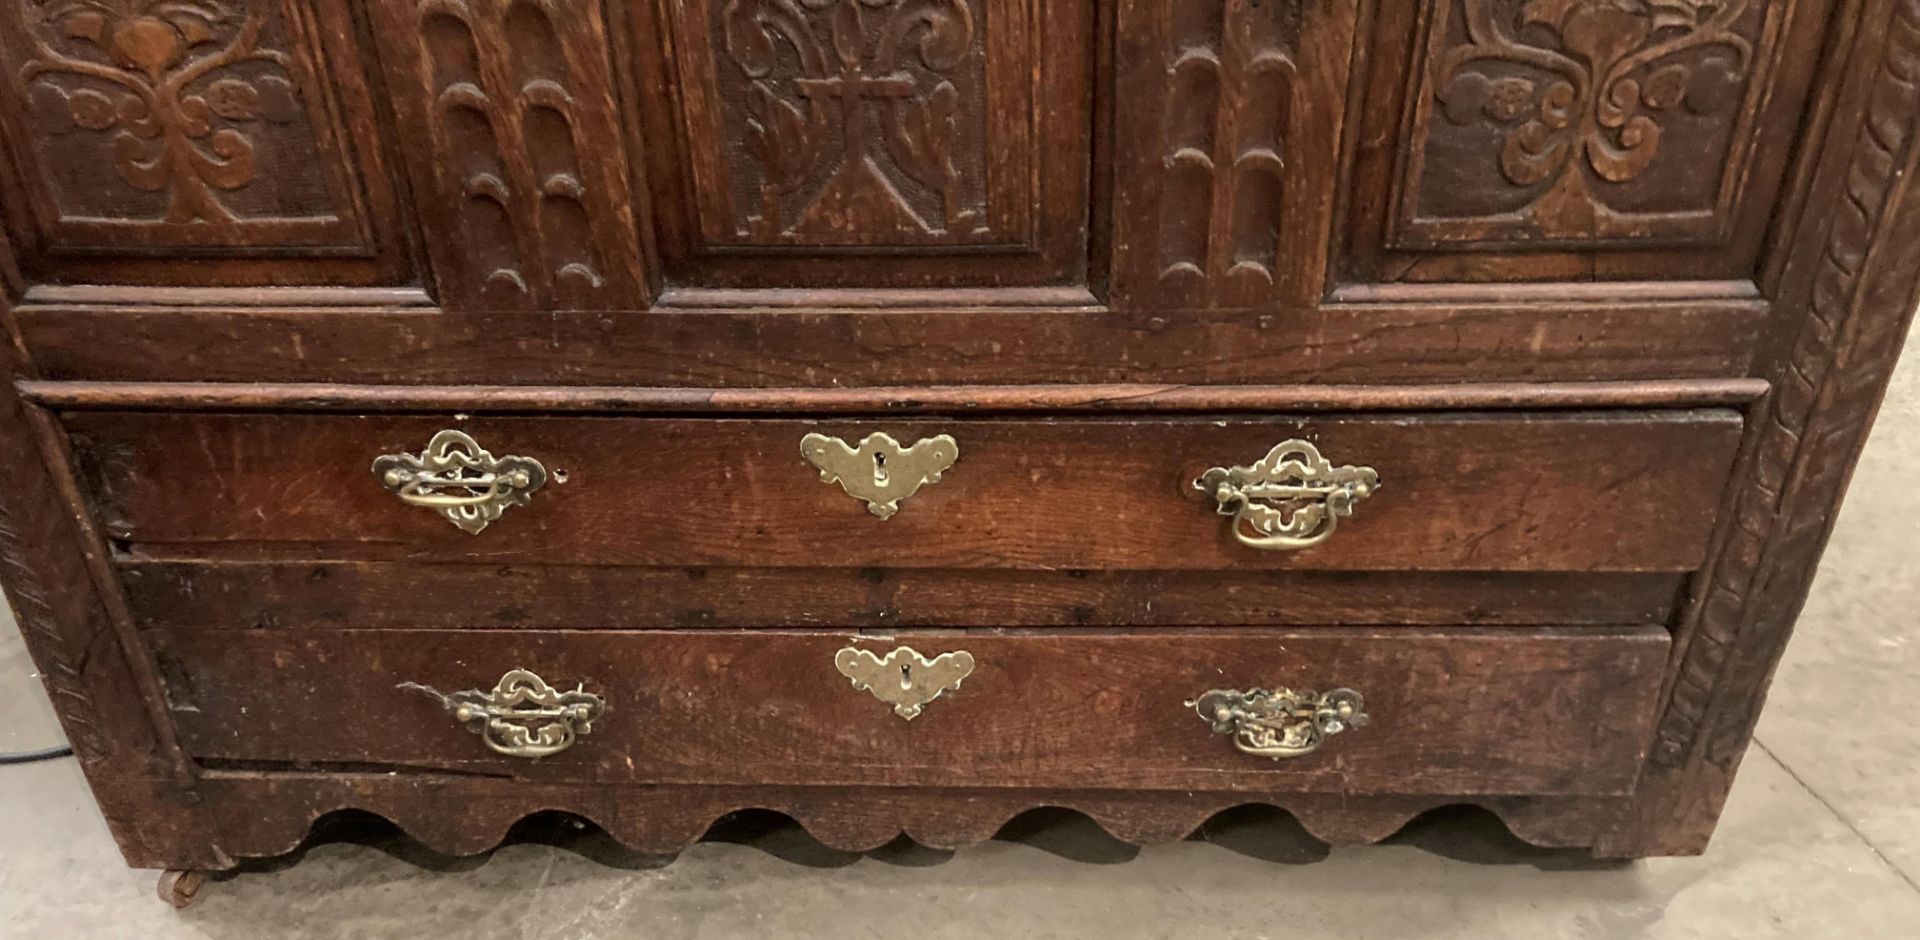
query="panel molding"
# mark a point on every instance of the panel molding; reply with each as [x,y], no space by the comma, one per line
[1400,344]
[165,114]
[912,160]
[925,399]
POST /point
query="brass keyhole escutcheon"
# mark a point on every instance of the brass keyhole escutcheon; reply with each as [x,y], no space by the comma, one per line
[878,470]
[904,678]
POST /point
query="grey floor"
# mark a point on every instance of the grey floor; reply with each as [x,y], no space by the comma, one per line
[1821,839]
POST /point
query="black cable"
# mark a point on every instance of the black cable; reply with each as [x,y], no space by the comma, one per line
[29,757]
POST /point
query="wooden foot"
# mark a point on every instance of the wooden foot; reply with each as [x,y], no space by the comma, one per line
[181,888]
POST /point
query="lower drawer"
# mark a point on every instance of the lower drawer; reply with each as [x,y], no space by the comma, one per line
[1447,711]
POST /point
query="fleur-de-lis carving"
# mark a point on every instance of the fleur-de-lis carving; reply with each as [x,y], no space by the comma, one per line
[162,74]
[813,63]
[1583,86]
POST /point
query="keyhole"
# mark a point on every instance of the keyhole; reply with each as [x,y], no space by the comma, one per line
[880,469]
[906,676]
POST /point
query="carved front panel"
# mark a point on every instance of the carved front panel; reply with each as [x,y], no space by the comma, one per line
[517,152]
[1231,114]
[895,129]
[177,125]
[854,122]
[1585,121]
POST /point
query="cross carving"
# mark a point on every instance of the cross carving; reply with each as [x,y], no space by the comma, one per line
[850,90]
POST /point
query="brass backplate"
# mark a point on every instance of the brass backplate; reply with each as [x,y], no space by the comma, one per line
[1280,723]
[460,480]
[522,716]
[878,470]
[1293,498]
[904,678]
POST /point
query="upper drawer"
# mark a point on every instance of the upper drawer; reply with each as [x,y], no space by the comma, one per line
[1603,491]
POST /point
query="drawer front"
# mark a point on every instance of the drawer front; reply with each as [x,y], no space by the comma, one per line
[1459,712]
[1573,492]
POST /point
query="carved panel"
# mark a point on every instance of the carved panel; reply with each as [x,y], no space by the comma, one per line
[1585,121]
[178,124]
[854,122]
[885,128]
[517,151]
[1241,100]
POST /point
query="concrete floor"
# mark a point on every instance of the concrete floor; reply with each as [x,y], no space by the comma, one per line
[1821,839]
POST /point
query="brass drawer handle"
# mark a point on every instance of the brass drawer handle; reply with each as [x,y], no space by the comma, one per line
[522,716]
[1291,499]
[460,480]
[904,678]
[878,470]
[1281,723]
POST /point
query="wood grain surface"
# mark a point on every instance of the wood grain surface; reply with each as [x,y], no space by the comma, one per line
[1501,712]
[1627,491]
[1607,294]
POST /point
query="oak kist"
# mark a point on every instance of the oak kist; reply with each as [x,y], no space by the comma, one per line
[904,413]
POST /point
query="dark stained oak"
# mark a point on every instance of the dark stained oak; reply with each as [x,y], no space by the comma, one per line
[1403,343]
[1580,491]
[1666,163]
[239,145]
[250,595]
[1855,275]
[1607,292]
[1472,713]
[925,399]
[658,820]
[509,118]
[910,146]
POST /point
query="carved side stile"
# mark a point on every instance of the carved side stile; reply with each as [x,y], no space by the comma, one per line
[1863,282]
[1825,394]
[53,652]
